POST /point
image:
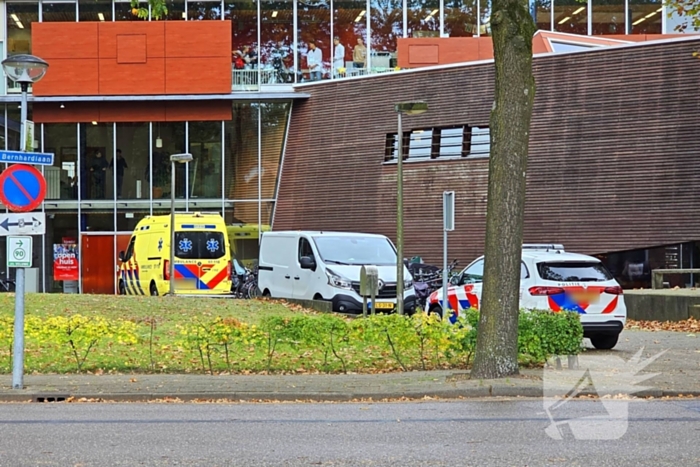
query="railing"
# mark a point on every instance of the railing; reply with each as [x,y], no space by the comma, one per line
[247,80]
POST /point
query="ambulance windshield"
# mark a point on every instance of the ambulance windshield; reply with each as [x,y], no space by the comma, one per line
[199,245]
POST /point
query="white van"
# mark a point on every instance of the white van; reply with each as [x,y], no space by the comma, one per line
[326,266]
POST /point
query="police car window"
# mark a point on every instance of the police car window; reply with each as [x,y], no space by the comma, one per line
[199,245]
[474,273]
[574,271]
[129,249]
[524,273]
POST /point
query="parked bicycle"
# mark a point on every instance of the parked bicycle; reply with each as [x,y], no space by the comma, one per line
[6,284]
[244,283]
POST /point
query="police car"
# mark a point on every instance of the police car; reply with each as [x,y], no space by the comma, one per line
[551,279]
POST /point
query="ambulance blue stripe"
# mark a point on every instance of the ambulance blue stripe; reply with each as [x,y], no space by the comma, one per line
[187,274]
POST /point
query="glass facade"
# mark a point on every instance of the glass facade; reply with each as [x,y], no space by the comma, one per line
[108,176]
[271,38]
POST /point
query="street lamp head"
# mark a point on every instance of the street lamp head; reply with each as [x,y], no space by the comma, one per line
[24,68]
[411,108]
[181,158]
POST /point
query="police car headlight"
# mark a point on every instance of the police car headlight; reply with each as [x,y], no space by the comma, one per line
[336,280]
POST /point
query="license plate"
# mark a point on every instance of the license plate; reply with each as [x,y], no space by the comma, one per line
[384,305]
[586,297]
[186,284]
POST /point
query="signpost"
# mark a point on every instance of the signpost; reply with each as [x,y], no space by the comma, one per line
[19,252]
[22,188]
[22,224]
[448,221]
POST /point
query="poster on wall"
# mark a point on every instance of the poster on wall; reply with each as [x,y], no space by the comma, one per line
[65,261]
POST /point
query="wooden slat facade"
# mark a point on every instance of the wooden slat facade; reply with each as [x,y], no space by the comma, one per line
[614,153]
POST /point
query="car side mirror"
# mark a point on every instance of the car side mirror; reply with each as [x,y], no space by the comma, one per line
[307,262]
[121,256]
[456,280]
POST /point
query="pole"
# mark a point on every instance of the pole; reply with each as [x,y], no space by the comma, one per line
[172,228]
[18,343]
[399,220]
[445,304]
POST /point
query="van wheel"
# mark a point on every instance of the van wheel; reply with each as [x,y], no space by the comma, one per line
[267,294]
[122,288]
[604,341]
[153,289]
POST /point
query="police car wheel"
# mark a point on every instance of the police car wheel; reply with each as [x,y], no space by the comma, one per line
[153,289]
[435,310]
[604,341]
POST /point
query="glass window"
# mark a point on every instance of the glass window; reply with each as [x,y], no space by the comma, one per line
[543,14]
[480,141]
[199,245]
[55,11]
[61,178]
[347,250]
[305,249]
[124,12]
[20,17]
[608,17]
[131,175]
[646,17]
[452,141]
[314,21]
[95,10]
[241,159]
[350,26]
[387,26]
[571,16]
[460,18]
[96,153]
[203,10]
[423,18]
[274,127]
[276,36]
[421,144]
[574,271]
[559,47]
[168,138]
[485,18]
[205,169]
[176,10]
[524,274]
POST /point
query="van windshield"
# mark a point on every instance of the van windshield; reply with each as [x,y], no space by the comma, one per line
[199,245]
[356,250]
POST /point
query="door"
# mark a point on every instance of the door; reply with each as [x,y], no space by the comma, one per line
[303,278]
[97,264]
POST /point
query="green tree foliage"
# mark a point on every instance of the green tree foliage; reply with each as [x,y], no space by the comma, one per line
[689,10]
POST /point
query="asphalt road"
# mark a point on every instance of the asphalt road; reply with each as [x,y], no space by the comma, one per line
[479,433]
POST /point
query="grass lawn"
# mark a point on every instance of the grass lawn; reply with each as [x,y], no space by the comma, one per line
[158,325]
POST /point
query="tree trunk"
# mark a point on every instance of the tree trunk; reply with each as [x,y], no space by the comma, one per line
[497,341]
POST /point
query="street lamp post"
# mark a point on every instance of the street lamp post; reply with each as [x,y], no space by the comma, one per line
[25,70]
[174,159]
[407,108]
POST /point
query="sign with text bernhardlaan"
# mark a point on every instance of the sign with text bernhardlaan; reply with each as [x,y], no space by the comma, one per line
[65,262]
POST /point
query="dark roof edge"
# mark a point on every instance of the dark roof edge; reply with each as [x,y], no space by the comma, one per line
[252,96]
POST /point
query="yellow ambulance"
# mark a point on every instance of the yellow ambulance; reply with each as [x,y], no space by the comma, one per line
[202,256]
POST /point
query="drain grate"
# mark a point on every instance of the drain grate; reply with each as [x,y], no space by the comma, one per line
[51,398]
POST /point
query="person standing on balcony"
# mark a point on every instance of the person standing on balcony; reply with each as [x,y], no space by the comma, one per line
[338,58]
[359,54]
[314,60]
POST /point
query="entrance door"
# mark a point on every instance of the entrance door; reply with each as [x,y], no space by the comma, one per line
[98,264]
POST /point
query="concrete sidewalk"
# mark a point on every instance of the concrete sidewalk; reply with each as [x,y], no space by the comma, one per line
[678,374]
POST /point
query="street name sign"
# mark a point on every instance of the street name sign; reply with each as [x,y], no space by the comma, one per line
[21,157]
[33,223]
[19,252]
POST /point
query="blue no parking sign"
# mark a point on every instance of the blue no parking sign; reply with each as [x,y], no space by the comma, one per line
[22,188]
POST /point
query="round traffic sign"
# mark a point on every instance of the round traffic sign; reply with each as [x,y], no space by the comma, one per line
[22,188]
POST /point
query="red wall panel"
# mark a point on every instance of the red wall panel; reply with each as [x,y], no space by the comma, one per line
[158,111]
[129,58]
[45,112]
[132,111]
